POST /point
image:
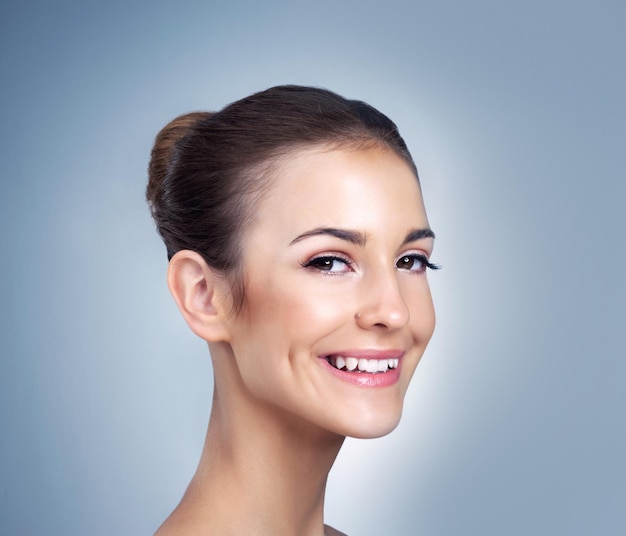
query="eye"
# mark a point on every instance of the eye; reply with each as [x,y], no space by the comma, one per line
[414,262]
[329,263]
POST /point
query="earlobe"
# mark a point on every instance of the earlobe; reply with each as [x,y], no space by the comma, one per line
[200,294]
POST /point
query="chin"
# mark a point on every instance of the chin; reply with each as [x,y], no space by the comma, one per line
[372,427]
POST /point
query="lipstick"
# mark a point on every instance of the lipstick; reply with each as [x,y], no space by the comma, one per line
[365,368]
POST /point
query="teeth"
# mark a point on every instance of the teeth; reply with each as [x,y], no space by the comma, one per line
[371,366]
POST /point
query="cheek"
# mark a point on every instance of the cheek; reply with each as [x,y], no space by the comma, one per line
[422,313]
[288,317]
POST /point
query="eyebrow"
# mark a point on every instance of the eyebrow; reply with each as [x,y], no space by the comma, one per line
[355,237]
[418,234]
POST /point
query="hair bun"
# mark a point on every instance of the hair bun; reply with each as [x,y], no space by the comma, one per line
[164,149]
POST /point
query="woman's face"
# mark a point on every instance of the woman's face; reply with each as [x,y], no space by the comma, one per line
[337,308]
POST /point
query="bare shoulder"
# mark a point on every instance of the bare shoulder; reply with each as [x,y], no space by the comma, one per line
[329,531]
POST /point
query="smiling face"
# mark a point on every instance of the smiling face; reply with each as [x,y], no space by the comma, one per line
[337,309]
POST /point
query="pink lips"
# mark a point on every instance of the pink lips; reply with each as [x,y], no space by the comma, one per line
[366,379]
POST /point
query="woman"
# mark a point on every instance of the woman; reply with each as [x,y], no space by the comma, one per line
[298,245]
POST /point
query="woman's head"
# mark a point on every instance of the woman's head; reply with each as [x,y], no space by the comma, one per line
[311,204]
[208,170]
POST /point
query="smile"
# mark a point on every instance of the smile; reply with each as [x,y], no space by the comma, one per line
[371,366]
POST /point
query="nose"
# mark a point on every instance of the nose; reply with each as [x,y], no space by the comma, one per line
[382,304]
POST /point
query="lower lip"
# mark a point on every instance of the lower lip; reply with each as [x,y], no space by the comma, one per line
[366,379]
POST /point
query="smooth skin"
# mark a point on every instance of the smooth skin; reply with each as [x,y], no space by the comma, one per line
[331,265]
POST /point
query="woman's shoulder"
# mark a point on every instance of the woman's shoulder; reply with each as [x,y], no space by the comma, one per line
[329,531]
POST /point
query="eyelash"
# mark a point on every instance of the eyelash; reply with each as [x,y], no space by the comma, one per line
[421,259]
[329,260]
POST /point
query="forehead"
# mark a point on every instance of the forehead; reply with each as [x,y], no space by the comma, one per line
[334,186]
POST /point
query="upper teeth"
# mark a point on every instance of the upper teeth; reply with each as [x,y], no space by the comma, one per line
[364,365]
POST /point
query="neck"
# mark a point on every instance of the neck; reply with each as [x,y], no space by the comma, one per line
[262,471]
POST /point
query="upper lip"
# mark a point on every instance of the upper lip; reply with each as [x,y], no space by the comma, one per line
[368,353]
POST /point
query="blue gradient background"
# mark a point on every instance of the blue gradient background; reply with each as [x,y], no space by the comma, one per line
[515,115]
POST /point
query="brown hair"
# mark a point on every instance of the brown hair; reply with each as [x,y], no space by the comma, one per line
[207,170]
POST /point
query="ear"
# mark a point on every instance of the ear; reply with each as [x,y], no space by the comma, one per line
[202,296]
